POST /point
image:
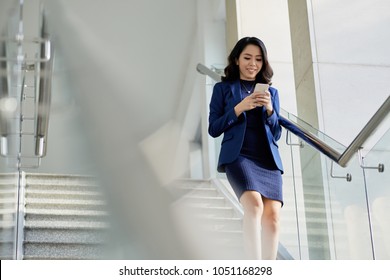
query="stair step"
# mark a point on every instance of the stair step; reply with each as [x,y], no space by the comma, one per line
[201,191]
[210,212]
[34,203]
[65,215]
[58,178]
[190,183]
[7,201]
[63,187]
[217,224]
[5,192]
[10,210]
[66,225]
[63,194]
[63,251]
[8,207]
[67,236]
[201,201]
[7,235]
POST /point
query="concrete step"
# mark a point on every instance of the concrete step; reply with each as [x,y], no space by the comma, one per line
[7,207]
[64,194]
[54,179]
[51,203]
[6,191]
[201,191]
[80,251]
[62,187]
[218,223]
[66,225]
[7,233]
[67,235]
[204,201]
[213,212]
[65,215]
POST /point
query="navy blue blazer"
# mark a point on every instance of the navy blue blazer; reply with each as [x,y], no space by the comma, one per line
[223,119]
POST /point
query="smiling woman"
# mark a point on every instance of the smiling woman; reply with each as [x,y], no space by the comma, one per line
[249,154]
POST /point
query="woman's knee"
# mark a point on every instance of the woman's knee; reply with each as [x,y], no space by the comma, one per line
[271,214]
[252,203]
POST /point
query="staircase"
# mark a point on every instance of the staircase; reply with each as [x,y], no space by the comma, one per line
[214,221]
[66,217]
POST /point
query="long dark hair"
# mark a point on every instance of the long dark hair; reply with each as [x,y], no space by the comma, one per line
[232,71]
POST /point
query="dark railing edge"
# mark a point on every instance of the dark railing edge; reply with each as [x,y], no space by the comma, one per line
[310,139]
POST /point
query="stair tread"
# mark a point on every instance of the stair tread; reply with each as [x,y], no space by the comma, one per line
[66,212]
[65,201]
[66,224]
[10,210]
[64,192]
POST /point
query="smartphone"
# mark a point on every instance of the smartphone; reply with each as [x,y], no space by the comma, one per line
[261,88]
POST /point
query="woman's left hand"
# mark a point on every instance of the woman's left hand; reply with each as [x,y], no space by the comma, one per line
[264,99]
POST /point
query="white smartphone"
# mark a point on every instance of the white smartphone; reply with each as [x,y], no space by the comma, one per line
[261,88]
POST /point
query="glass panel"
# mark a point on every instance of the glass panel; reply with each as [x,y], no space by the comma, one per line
[10,93]
[378,185]
[348,215]
[293,228]
[332,217]
[312,130]
[312,207]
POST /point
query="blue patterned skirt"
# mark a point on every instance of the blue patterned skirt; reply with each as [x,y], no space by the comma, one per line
[245,174]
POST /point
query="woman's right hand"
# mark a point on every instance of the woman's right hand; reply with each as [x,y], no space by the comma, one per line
[248,103]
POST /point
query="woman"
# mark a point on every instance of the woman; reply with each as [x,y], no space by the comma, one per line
[249,153]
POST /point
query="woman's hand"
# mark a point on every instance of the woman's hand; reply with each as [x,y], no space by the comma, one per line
[254,100]
[248,103]
[265,100]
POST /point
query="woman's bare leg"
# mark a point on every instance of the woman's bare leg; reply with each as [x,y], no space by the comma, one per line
[253,210]
[270,228]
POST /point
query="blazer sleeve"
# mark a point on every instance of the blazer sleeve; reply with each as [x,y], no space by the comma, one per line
[221,115]
[273,120]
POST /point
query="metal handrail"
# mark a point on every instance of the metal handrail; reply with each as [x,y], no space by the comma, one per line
[340,158]
[208,72]
[44,99]
[366,132]
[310,138]
[3,93]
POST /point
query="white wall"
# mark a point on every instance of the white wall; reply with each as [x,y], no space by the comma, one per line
[351,44]
[269,21]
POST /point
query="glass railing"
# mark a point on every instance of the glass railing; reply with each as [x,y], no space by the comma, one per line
[10,92]
[339,212]
[378,193]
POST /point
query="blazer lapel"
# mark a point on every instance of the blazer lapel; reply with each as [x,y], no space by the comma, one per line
[236,90]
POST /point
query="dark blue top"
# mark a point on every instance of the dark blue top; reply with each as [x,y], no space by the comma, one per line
[255,144]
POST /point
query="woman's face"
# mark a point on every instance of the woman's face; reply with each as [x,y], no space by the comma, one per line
[250,62]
